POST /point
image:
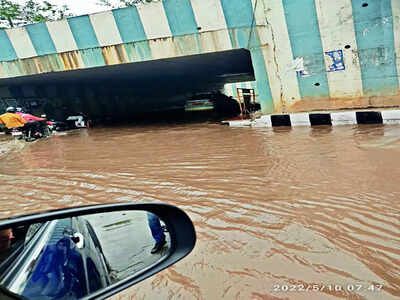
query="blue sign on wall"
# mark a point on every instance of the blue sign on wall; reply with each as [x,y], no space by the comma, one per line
[337,60]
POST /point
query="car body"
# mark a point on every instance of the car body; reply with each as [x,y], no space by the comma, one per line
[58,255]
[50,253]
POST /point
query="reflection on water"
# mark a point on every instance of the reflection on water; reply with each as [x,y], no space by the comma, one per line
[271,207]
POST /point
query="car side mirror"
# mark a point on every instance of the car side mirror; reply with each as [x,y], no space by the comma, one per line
[90,252]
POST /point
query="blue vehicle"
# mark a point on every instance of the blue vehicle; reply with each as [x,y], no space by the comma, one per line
[90,252]
[60,259]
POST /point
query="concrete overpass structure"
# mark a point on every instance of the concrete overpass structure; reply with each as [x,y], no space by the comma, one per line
[296,55]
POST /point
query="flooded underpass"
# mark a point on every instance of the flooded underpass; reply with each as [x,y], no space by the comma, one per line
[273,208]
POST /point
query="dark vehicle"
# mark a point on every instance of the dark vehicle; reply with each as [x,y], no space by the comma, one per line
[72,122]
[214,104]
[44,131]
[81,253]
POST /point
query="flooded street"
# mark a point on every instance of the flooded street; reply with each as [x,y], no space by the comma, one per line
[273,208]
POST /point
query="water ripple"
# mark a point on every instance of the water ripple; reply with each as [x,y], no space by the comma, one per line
[270,206]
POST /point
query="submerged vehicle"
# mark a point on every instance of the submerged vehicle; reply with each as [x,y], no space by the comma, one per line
[31,135]
[71,122]
[199,105]
[213,104]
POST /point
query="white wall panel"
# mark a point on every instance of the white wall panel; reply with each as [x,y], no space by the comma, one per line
[21,42]
[105,28]
[209,14]
[337,30]
[154,20]
[61,35]
[396,28]
[279,56]
[258,7]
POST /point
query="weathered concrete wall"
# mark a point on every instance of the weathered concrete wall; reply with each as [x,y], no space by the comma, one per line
[307,55]
[332,54]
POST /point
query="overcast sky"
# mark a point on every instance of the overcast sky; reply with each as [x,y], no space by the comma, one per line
[78,7]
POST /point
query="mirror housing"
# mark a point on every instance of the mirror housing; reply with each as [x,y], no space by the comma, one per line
[180,227]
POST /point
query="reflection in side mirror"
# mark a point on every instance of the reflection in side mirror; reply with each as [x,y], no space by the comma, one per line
[75,257]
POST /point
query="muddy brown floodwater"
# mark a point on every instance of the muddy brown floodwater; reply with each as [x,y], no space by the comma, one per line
[274,209]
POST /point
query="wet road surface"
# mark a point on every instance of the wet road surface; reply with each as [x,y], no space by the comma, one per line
[273,208]
[126,241]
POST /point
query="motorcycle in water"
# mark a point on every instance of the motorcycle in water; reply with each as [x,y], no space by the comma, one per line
[72,122]
[30,135]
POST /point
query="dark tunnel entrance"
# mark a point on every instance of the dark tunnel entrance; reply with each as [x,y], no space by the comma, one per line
[145,91]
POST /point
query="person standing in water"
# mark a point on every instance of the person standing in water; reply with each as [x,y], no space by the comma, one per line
[157,232]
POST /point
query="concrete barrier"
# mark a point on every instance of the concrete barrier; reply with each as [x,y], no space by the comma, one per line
[323,118]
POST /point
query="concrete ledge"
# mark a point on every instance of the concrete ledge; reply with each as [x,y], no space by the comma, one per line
[322,118]
[344,118]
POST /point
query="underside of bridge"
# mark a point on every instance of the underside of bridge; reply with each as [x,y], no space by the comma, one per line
[128,91]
